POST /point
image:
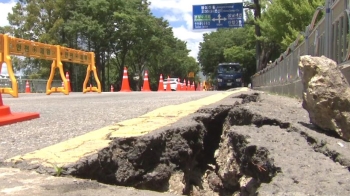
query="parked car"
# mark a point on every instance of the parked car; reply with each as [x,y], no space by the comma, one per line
[173,83]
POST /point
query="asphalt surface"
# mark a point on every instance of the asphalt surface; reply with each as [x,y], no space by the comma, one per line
[67,116]
[310,161]
[14,182]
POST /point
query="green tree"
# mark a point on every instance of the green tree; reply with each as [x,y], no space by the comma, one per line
[282,22]
[243,52]
[228,45]
[121,33]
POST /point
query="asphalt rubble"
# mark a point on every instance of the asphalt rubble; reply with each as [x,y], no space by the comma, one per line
[247,144]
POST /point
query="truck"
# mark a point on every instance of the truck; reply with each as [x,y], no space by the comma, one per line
[229,75]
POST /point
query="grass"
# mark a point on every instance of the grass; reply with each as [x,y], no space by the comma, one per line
[57,169]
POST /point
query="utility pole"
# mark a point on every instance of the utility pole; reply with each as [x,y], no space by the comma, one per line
[255,5]
[257,15]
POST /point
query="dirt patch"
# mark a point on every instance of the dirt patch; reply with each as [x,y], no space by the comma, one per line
[245,145]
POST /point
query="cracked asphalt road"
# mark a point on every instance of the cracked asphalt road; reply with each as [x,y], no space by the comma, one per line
[63,117]
[292,147]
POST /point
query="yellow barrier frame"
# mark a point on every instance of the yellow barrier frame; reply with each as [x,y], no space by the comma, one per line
[20,47]
[5,58]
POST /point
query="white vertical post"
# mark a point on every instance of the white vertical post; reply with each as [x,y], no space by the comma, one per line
[328,30]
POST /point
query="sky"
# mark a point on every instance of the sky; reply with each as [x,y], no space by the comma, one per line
[177,12]
[6,7]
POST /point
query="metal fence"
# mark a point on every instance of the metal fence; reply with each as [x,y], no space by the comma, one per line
[36,85]
[329,37]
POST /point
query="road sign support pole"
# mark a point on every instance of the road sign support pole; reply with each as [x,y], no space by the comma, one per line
[328,30]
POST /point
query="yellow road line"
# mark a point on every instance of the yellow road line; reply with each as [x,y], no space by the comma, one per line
[70,151]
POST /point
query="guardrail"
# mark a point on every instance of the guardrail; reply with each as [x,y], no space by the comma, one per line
[56,54]
[329,37]
[35,85]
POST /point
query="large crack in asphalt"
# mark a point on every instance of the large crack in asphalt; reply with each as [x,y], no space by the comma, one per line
[237,147]
[182,160]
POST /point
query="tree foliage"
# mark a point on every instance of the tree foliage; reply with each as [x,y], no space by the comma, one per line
[285,19]
[121,33]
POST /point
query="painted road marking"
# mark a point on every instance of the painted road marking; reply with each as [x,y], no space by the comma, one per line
[72,150]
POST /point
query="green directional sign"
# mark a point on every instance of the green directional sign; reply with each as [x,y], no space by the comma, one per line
[202,18]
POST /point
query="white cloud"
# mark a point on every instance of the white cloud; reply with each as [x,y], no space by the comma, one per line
[5,9]
[171,18]
[193,38]
[181,10]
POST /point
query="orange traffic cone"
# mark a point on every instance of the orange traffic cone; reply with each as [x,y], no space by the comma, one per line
[90,88]
[161,83]
[67,78]
[188,86]
[125,82]
[192,86]
[146,83]
[184,88]
[27,87]
[62,84]
[6,117]
[112,89]
[178,87]
[168,87]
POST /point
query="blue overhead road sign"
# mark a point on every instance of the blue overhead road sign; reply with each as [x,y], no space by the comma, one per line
[213,16]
